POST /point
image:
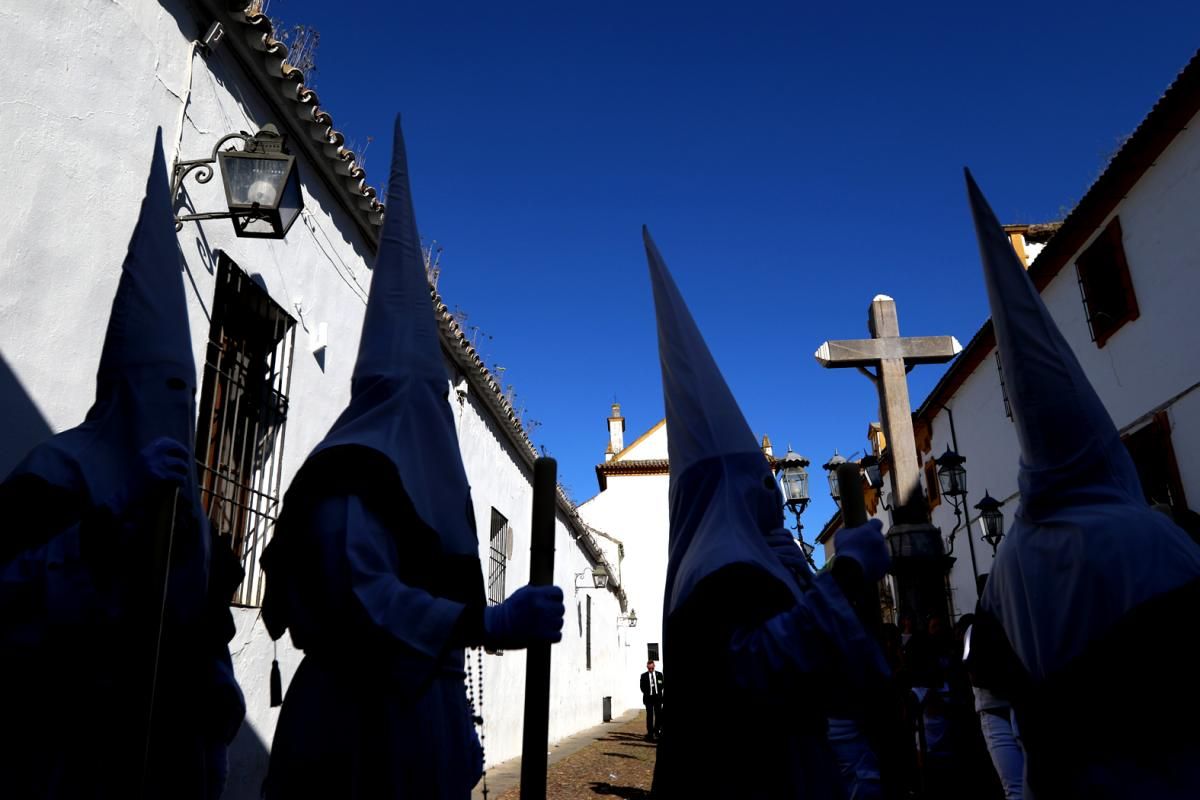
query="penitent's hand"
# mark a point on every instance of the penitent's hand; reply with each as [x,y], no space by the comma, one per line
[533,614]
[163,461]
[866,546]
[784,546]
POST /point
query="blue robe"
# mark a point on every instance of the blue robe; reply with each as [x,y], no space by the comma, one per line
[377,708]
[77,660]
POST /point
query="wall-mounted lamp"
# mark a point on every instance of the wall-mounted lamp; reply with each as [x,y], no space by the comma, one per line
[629,620]
[262,184]
[599,578]
[992,519]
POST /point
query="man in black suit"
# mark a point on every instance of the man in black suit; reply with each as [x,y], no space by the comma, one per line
[652,698]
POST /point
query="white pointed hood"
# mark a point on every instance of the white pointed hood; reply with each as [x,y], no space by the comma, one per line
[723,498]
[398,393]
[1084,548]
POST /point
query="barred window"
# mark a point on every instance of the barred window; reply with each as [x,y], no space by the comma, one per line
[242,418]
[1106,285]
[500,551]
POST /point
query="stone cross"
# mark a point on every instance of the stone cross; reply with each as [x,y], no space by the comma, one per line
[892,356]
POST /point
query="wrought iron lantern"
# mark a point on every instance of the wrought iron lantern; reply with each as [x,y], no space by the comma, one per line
[951,473]
[262,184]
[992,519]
[599,578]
[794,480]
[871,470]
[630,620]
[831,467]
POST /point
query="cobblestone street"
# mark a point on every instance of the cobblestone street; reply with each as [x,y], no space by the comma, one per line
[615,761]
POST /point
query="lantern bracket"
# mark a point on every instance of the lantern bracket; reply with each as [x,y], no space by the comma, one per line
[204,169]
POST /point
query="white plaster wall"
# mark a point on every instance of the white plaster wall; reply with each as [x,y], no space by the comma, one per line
[987,439]
[653,446]
[1144,365]
[81,99]
[500,480]
[1032,250]
[635,509]
[1154,357]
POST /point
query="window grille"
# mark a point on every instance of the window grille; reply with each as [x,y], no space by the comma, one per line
[243,417]
[1003,388]
[500,547]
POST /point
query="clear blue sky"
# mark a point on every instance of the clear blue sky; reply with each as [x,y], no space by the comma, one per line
[791,159]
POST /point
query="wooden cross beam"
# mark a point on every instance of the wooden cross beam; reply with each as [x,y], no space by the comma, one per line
[892,356]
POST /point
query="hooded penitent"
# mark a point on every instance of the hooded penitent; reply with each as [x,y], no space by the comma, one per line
[723,498]
[398,430]
[1084,548]
[145,385]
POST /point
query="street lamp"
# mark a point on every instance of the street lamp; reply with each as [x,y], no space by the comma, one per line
[795,480]
[951,473]
[630,620]
[599,578]
[831,468]
[993,520]
[262,184]
[870,468]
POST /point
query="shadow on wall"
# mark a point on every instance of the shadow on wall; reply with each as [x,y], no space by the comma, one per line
[248,756]
[24,427]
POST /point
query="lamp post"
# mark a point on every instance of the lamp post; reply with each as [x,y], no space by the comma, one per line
[793,476]
[993,520]
[262,184]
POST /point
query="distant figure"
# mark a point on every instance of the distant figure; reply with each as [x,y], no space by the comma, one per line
[749,628]
[114,687]
[652,699]
[1092,594]
[374,567]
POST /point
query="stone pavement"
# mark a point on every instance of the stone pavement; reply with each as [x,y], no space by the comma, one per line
[609,760]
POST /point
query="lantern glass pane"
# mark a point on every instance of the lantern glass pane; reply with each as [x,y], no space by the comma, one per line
[795,484]
[993,526]
[253,181]
[292,202]
[835,491]
[874,476]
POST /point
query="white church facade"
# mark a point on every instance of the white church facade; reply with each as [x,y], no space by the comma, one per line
[274,322]
[1120,277]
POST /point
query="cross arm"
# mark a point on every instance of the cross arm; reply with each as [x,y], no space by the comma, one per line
[868,352]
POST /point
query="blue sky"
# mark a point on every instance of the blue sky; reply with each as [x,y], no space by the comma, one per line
[791,159]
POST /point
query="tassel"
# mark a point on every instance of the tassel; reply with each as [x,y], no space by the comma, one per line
[276,684]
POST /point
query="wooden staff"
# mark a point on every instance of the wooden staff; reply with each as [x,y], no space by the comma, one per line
[883,724]
[537,656]
[160,576]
